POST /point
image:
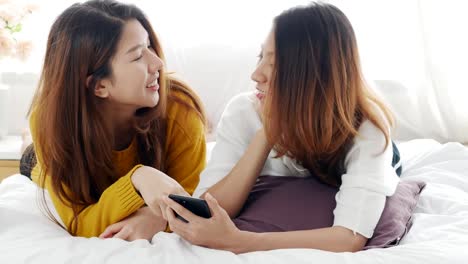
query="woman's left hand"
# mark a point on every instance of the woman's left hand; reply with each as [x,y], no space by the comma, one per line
[218,232]
[143,224]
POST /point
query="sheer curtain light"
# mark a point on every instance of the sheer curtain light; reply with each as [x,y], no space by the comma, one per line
[418,47]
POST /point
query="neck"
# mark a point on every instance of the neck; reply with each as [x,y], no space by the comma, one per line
[122,126]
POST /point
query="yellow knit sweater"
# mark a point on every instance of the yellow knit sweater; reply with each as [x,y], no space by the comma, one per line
[185,159]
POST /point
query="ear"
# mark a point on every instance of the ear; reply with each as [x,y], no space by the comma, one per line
[101,88]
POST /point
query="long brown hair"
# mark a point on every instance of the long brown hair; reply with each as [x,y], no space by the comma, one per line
[73,142]
[318,98]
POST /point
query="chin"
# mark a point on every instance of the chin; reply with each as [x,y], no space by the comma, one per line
[153,102]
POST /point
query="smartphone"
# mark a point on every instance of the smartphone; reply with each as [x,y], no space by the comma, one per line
[196,206]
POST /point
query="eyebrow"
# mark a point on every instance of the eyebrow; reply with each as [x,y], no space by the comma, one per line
[135,48]
[141,45]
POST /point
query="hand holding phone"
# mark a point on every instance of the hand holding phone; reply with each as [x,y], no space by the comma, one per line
[195,205]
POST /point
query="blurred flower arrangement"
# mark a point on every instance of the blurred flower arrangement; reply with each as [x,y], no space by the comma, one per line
[12,15]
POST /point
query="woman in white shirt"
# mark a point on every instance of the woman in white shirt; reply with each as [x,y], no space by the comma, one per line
[312,114]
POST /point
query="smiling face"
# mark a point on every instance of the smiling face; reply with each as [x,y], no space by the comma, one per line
[134,82]
[264,71]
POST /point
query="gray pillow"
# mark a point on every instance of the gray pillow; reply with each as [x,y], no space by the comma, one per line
[286,203]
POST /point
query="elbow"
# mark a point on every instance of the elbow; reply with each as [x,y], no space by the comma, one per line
[355,243]
[350,241]
[352,245]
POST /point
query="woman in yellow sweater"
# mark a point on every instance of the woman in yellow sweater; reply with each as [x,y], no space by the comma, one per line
[113,131]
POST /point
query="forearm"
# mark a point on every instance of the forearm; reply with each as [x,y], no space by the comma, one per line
[232,191]
[335,239]
[117,202]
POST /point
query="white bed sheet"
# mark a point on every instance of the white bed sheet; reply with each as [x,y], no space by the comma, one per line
[439,233]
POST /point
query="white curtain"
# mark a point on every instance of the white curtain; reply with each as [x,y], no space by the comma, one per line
[414,50]
[444,26]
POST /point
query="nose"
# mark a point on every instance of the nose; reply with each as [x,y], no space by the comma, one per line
[155,64]
[258,76]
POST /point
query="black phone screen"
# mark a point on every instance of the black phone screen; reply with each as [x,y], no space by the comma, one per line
[196,206]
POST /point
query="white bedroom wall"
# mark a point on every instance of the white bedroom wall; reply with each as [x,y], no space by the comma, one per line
[409,44]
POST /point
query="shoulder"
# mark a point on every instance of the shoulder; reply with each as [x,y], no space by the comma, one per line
[371,142]
[241,103]
[178,103]
[241,109]
[181,115]
[33,122]
[370,131]
[239,118]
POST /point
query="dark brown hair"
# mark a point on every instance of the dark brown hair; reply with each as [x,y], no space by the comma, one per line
[72,139]
[318,98]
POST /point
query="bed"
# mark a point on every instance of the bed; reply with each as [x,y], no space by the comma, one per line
[439,233]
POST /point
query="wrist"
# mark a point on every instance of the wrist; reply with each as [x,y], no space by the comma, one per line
[245,242]
[136,178]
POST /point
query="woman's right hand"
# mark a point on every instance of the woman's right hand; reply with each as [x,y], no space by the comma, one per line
[153,185]
[259,108]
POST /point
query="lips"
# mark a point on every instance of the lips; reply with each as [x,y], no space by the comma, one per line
[153,84]
[260,94]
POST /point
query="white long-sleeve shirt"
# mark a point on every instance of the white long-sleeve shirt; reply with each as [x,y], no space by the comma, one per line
[369,178]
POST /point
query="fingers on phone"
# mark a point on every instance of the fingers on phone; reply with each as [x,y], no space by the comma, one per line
[179,209]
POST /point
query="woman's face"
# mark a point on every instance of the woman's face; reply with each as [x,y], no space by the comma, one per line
[263,73]
[135,72]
